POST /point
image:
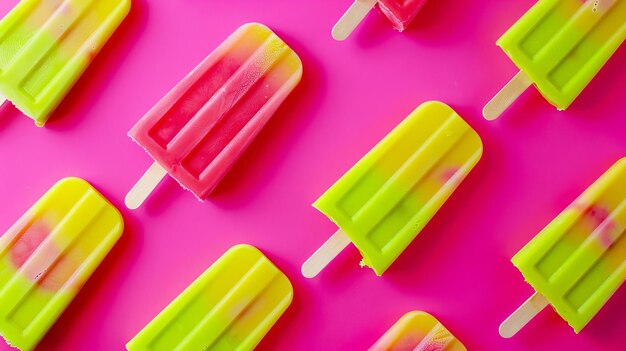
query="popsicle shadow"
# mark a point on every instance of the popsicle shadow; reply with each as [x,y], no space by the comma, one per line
[165,195]
[263,158]
[102,284]
[9,115]
[609,324]
[85,94]
[433,23]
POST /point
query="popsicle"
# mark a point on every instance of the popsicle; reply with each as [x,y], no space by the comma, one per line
[385,200]
[418,331]
[579,260]
[559,46]
[229,307]
[46,45]
[48,255]
[200,128]
[399,12]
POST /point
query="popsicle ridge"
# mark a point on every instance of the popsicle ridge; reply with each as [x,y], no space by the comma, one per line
[579,260]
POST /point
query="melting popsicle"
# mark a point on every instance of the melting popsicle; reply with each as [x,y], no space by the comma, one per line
[46,45]
[48,255]
[388,197]
[399,12]
[579,260]
[559,46]
[418,331]
[200,128]
[231,306]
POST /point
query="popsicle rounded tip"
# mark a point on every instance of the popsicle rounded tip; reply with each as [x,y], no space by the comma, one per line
[339,33]
[308,271]
[131,201]
[506,331]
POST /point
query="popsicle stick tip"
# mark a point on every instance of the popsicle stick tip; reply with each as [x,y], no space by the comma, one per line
[325,254]
[506,96]
[144,187]
[524,314]
[351,19]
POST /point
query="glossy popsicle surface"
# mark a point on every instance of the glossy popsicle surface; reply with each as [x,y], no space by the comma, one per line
[418,331]
[46,45]
[401,12]
[230,307]
[387,198]
[579,260]
[48,255]
[562,44]
[200,128]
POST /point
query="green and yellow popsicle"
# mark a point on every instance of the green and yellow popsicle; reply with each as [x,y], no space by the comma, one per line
[46,45]
[231,306]
[387,198]
[579,260]
[48,255]
[559,46]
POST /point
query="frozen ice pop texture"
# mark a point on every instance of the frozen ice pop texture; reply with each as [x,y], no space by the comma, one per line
[229,307]
[418,331]
[386,199]
[399,12]
[46,45]
[560,45]
[200,128]
[579,260]
[47,256]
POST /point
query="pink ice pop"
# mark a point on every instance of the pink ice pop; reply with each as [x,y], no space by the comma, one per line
[200,128]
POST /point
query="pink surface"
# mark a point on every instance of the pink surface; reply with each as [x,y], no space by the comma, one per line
[536,162]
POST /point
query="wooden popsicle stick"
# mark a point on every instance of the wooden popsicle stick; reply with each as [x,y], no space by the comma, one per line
[146,184]
[355,14]
[527,311]
[505,97]
[2,100]
[322,257]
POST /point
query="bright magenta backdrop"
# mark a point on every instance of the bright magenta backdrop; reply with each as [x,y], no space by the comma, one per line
[536,161]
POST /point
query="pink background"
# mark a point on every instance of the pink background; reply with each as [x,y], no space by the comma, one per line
[536,161]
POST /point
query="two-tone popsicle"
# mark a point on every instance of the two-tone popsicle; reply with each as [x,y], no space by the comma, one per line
[578,261]
[199,130]
[388,197]
[399,12]
[418,331]
[559,46]
[48,255]
[229,307]
[46,46]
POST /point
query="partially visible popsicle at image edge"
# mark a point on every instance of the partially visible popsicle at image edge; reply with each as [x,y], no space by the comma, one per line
[578,261]
[560,46]
[46,46]
[199,130]
[399,12]
[47,256]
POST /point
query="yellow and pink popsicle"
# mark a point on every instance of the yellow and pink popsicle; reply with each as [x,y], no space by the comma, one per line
[46,45]
[201,127]
[578,261]
[418,331]
[48,255]
[400,12]
[390,195]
